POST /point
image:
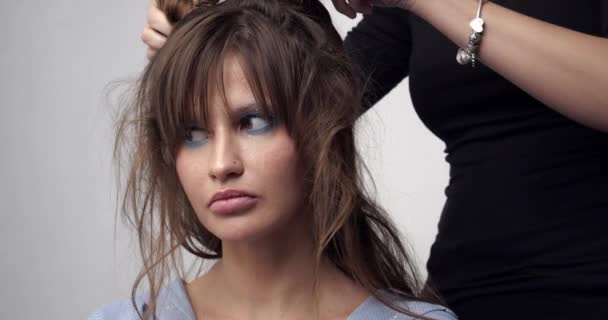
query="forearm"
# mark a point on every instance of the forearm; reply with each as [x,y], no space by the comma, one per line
[564,69]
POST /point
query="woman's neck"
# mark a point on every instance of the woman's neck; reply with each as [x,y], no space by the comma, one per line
[267,272]
[274,279]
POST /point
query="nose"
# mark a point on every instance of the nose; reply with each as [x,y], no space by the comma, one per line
[225,162]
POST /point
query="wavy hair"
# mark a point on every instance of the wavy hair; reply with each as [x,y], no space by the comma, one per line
[296,66]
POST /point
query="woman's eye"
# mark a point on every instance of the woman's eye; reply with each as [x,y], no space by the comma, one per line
[195,136]
[255,123]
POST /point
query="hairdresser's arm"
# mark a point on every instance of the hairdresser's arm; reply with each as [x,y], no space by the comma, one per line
[564,69]
[380,47]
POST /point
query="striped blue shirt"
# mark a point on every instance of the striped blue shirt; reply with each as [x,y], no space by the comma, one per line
[173,304]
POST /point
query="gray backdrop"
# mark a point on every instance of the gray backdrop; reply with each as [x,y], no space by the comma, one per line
[60,255]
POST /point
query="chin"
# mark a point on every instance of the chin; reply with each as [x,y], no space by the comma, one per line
[246,227]
[241,234]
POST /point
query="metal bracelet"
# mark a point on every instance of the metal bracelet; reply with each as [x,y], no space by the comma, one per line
[471,52]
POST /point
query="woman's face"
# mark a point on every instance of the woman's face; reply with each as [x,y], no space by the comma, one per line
[240,172]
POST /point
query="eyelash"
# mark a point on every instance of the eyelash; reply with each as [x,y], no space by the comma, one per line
[270,122]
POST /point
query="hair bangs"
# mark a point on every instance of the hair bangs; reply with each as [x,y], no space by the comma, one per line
[195,72]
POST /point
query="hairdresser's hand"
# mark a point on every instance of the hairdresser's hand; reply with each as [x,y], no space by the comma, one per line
[351,7]
[156,30]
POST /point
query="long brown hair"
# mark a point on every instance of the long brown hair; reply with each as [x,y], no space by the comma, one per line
[296,65]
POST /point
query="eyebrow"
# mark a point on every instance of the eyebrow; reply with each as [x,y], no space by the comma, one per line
[247,108]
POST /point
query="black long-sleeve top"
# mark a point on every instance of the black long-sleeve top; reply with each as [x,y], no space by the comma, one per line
[524,231]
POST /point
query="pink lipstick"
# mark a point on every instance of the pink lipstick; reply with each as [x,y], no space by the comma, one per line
[231,202]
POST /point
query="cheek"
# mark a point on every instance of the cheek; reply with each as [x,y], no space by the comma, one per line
[189,170]
[279,166]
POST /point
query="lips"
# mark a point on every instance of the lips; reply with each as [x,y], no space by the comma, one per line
[231,202]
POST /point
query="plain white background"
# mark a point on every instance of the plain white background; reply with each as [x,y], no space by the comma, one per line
[60,255]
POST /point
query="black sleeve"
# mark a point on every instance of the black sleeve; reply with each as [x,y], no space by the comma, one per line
[605,18]
[380,47]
